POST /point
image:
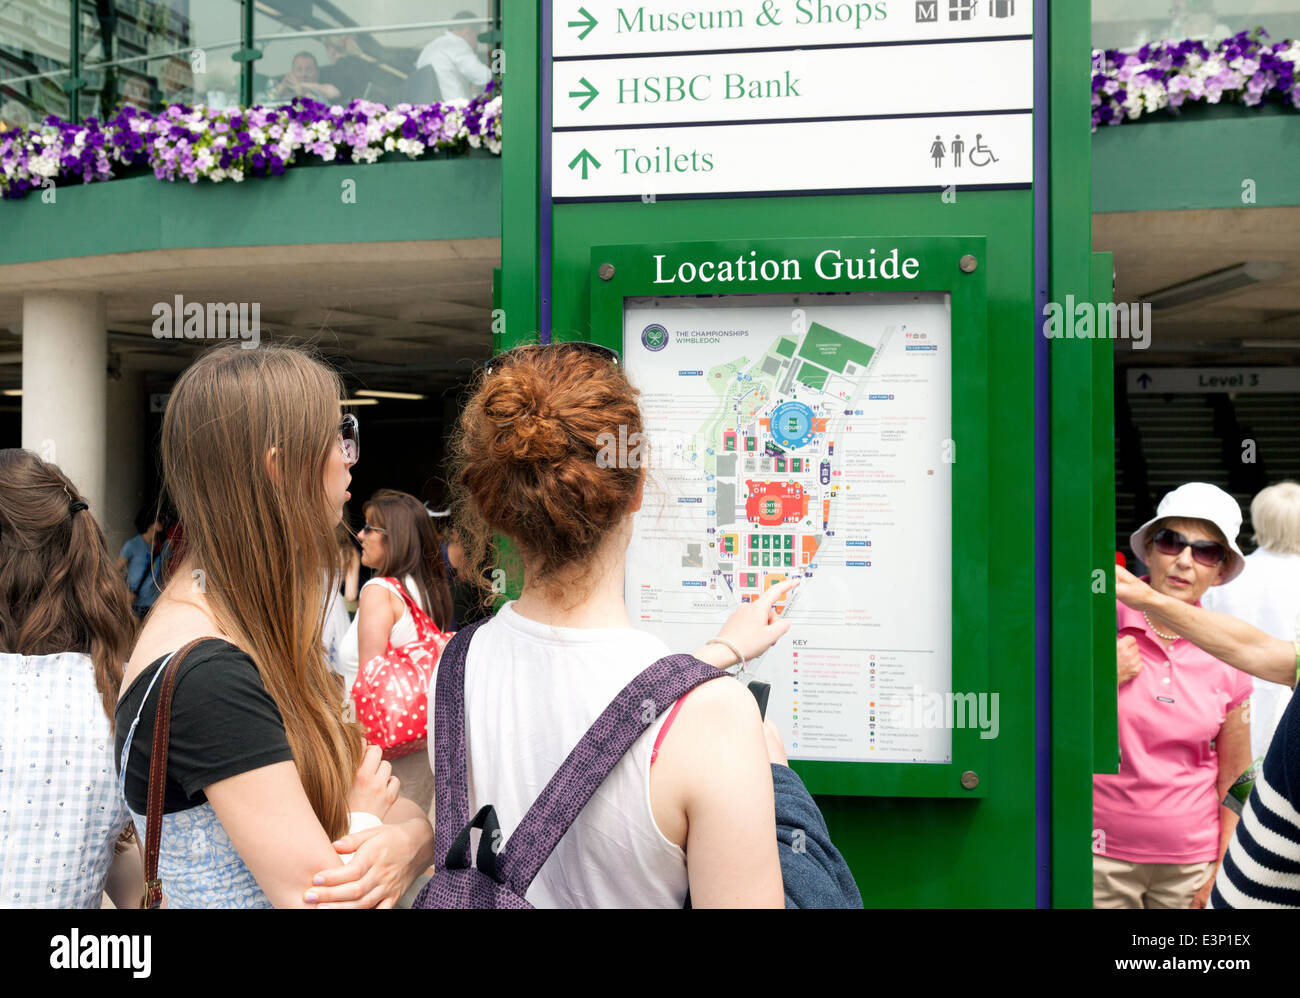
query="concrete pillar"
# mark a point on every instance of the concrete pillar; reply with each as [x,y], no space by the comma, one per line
[65,360]
[124,485]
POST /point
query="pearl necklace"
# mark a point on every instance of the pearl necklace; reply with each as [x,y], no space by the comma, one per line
[1157,631]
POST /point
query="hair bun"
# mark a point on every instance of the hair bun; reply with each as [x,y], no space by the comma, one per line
[525,427]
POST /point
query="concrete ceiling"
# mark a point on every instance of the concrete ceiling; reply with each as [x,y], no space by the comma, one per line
[1157,249]
[417,315]
[396,315]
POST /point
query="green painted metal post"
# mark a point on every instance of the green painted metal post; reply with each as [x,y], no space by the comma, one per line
[72,86]
[520,174]
[1075,553]
[1105,725]
[247,55]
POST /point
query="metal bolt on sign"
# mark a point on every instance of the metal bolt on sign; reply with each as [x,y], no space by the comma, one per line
[606,271]
[970,779]
[968,263]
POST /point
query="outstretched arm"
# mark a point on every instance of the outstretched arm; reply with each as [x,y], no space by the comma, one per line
[1233,641]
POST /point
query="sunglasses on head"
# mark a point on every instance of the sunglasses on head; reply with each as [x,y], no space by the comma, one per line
[1171,542]
[578,346]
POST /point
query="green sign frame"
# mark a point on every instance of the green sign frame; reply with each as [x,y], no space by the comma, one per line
[954,265]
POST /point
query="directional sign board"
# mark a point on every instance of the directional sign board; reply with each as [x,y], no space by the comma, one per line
[1202,380]
[790,96]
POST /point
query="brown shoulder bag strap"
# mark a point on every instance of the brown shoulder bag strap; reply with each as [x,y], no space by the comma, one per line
[162,724]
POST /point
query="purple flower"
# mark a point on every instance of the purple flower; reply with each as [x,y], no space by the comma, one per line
[178,142]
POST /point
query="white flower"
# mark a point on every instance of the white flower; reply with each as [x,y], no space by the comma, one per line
[237,175]
[389,144]
[257,135]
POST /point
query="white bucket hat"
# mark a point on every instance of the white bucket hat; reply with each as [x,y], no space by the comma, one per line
[1198,501]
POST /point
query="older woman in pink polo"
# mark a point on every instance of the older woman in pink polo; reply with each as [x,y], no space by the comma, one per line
[1184,728]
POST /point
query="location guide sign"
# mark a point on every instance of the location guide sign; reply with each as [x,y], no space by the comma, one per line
[790,96]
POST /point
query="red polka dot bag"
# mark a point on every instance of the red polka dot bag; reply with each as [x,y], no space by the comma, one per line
[392,690]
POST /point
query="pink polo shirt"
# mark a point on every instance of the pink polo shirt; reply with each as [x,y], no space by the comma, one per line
[1162,807]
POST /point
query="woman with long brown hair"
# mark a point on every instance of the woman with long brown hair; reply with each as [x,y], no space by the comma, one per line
[399,543]
[263,771]
[65,629]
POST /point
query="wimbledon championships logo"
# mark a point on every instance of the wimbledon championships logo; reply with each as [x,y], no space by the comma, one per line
[654,337]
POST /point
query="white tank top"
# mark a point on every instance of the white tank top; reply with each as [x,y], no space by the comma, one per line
[531,692]
[403,631]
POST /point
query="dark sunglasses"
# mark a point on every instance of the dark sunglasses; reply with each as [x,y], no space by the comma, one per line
[579,346]
[1171,542]
[350,438]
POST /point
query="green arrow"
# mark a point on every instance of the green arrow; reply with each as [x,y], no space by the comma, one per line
[590,93]
[590,22]
[585,158]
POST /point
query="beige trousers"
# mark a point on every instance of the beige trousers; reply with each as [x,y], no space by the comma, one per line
[1118,883]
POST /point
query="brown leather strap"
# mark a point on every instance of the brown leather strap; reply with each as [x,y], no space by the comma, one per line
[162,724]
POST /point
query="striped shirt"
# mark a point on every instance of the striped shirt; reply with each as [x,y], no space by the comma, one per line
[1262,866]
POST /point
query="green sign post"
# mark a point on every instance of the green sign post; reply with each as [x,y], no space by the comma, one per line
[811,226]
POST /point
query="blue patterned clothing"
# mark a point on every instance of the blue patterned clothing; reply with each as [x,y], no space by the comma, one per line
[60,812]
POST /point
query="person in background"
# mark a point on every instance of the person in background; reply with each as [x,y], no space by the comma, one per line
[467,603]
[459,72]
[1267,595]
[143,560]
[342,593]
[1261,868]
[174,532]
[1184,730]
[349,73]
[303,80]
[65,630]
[399,542]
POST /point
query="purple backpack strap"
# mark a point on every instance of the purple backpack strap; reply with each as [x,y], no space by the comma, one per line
[598,751]
[450,776]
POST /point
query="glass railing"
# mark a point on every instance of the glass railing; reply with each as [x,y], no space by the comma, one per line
[152,53]
[1133,23]
[386,52]
[35,42]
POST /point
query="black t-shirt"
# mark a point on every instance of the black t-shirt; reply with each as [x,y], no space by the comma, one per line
[224,722]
